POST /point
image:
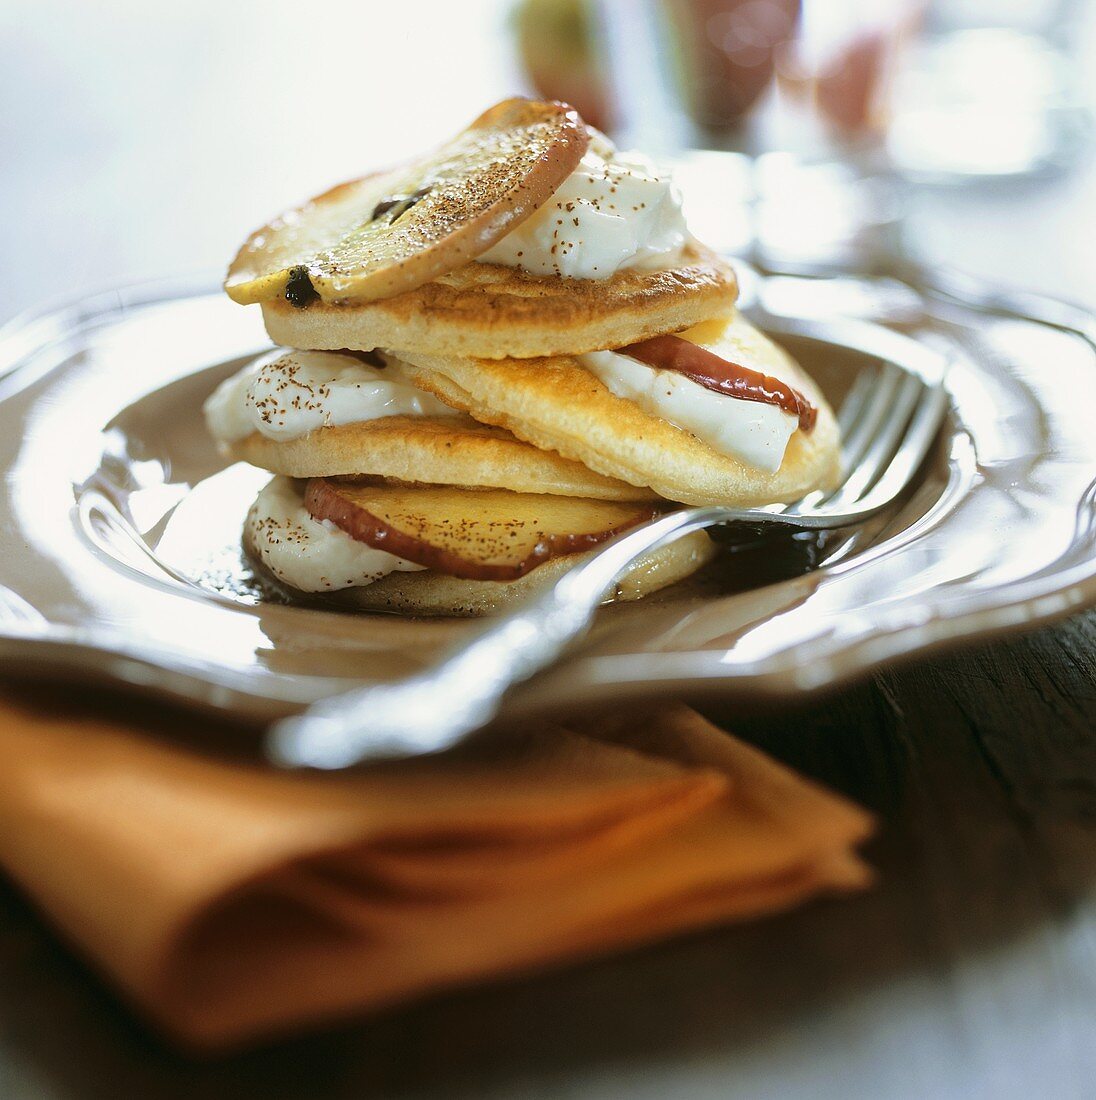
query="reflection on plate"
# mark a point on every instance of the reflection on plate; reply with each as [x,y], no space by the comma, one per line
[120,524]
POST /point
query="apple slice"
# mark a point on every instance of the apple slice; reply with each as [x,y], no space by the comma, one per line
[488,535]
[713,372]
[393,231]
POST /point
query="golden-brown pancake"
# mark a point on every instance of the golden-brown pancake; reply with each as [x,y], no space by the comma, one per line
[493,312]
[433,450]
[556,403]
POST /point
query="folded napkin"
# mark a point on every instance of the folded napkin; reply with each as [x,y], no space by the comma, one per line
[230,901]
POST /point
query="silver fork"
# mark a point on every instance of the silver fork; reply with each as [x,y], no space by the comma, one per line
[888,423]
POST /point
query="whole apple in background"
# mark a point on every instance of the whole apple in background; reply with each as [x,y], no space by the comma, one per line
[556,41]
[842,65]
[848,90]
[723,52]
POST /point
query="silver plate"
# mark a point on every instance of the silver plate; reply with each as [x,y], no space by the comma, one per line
[119,524]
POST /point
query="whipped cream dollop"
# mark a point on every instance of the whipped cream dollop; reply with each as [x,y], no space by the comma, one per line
[752,431]
[614,211]
[287,394]
[310,554]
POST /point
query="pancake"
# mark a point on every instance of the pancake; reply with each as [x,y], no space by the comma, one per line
[556,403]
[429,593]
[493,312]
[438,451]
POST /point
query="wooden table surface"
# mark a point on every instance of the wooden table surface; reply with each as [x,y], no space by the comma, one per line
[141,139]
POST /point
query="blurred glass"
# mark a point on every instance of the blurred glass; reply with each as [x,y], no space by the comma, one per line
[989,90]
[799,127]
[835,77]
[931,89]
[943,91]
[718,56]
[784,214]
[727,55]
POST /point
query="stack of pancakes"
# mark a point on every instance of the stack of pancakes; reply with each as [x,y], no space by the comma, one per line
[446,415]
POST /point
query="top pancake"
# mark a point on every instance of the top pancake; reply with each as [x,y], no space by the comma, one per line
[556,403]
[487,311]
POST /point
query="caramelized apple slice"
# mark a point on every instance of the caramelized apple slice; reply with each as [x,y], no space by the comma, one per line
[713,372]
[488,535]
[391,232]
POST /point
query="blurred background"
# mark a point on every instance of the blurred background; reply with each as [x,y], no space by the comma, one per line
[142,138]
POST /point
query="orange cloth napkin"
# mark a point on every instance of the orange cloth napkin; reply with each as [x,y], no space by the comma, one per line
[230,901]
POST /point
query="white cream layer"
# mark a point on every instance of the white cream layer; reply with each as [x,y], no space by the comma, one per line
[614,211]
[752,431]
[308,554]
[287,394]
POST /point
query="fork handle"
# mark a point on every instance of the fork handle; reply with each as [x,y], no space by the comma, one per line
[434,709]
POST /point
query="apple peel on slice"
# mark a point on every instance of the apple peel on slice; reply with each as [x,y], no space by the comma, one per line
[490,535]
[390,232]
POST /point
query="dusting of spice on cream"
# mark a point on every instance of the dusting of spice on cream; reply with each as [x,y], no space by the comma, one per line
[613,212]
[287,394]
